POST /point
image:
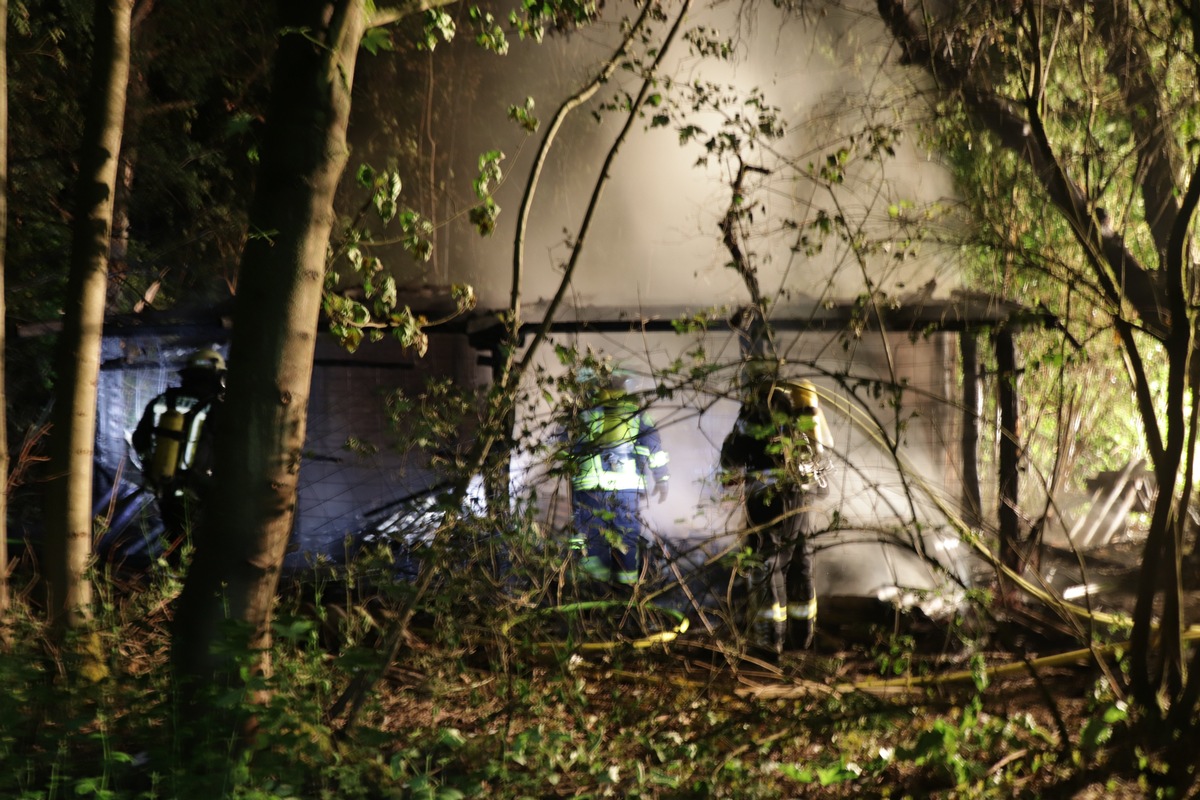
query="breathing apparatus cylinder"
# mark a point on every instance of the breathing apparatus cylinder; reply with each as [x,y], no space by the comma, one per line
[168,439]
[808,414]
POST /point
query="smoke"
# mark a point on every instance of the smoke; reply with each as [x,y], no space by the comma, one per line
[656,237]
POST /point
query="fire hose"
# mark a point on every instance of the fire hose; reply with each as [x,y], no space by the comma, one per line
[678,626]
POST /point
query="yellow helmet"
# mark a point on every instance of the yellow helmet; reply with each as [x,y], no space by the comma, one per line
[204,361]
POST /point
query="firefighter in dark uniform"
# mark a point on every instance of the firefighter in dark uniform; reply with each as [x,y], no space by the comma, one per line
[777,454]
[617,448]
[173,441]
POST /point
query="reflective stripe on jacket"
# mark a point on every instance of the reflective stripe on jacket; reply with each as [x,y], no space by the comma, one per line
[619,445]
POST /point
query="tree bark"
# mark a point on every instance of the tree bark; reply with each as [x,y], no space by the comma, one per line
[4,588]
[69,494]
[243,538]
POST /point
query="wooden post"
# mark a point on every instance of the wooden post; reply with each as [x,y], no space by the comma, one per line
[972,400]
[1010,450]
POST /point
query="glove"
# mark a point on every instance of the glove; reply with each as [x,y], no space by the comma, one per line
[660,491]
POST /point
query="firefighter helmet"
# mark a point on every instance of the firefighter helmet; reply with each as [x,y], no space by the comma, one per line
[204,360]
[622,381]
[617,387]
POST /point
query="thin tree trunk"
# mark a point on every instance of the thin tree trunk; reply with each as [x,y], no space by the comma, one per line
[261,432]
[4,589]
[69,495]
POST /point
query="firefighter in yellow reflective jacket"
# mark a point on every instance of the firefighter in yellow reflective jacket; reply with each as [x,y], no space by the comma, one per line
[777,453]
[174,443]
[611,458]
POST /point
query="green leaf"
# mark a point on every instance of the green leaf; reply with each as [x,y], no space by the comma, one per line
[464,296]
[451,737]
[387,195]
[690,132]
[483,217]
[489,35]
[523,116]
[797,773]
[1115,713]
[489,173]
[386,298]
[239,124]
[439,26]
[292,630]
[377,40]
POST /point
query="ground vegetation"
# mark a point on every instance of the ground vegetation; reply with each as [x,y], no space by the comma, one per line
[489,701]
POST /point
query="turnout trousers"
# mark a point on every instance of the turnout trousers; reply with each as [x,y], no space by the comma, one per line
[608,530]
[787,600]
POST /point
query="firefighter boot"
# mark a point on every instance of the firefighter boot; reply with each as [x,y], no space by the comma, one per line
[781,637]
[770,628]
[765,638]
[800,634]
[802,623]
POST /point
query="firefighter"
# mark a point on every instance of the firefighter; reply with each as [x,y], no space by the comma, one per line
[617,449]
[776,454]
[173,440]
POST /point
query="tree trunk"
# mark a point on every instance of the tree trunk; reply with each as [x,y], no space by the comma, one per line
[243,537]
[69,494]
[4,590]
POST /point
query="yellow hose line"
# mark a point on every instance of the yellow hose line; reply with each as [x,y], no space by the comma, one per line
[640,643]
[902,685]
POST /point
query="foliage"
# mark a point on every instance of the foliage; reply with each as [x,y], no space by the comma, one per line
[1073,141]
[355,263]
[197,90]
[194,108]
[466,713]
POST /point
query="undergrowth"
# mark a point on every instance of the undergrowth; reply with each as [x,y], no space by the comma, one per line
[463,710]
